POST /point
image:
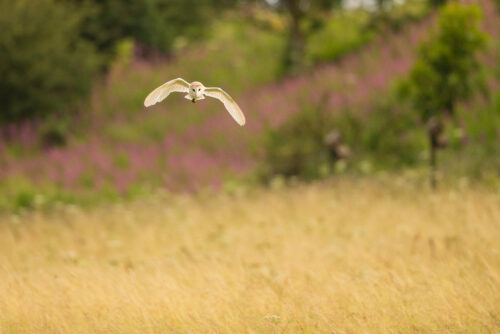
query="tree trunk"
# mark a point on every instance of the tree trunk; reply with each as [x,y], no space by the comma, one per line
[294,54]
[435,129]
[433,162]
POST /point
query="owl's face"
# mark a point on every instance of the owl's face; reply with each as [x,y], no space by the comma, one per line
[196,89]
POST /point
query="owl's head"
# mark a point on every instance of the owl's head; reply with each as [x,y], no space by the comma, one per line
[196,89]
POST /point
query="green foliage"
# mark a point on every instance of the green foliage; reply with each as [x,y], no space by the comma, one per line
[343,32]
[246,65]
[210,62]
[121,161]
[385,136]
[44,66]
[483,123]
[22,194]
[53,132]
[475,143]
[395,16]
[447,67]
[19,194]
[436,3]
[155,24]
[297,148]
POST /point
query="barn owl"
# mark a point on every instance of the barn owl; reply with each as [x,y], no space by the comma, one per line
[195,91]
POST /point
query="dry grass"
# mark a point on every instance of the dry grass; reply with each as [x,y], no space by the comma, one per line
[343,258]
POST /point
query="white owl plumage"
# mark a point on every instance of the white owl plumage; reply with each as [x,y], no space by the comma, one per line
[196,91]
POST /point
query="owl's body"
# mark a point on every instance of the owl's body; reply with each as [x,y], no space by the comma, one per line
[196,91]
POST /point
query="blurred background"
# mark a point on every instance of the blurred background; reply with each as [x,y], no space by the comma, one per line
[330,89]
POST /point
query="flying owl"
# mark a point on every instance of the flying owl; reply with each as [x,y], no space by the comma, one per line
[196,91]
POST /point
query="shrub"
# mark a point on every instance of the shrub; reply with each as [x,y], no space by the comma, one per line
[346,31]
[436,3]
[478,140]
[446,71]
[386,135]
[298,148]
[44,65]
[395,16]
[53,133]
[155,24]
[342,33]
[316,142]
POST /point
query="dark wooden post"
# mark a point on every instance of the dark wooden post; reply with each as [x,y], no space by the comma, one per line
[435,129]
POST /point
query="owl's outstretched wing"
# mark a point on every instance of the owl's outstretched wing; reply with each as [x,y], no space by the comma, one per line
[160,93]
[229,103]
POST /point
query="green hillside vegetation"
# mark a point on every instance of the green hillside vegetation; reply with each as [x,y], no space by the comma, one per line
[45,68]
[316,142]
[116,149]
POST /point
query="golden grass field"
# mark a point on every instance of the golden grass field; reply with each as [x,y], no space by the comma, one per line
[348,257]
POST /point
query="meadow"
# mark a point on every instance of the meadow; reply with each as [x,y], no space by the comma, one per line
[350,256]
[316,217]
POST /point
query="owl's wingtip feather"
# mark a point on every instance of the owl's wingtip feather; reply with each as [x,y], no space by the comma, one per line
[149,101]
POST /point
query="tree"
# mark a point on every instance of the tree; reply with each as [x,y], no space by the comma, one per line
[299,11]
[154,24]
[437,3]
[446,70]
[45,66]
[294,54]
